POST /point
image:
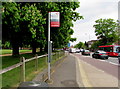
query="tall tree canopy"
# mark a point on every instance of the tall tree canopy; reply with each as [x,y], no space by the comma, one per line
[26,23]
[79,45]
[106,30]
[10,25]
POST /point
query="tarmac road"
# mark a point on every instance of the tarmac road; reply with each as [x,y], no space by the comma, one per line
[103,65]
[112,60]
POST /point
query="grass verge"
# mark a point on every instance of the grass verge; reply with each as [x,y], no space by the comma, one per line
[9,51]
[12,78]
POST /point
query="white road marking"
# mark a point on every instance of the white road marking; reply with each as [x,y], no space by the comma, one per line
[103,60]
[113,63]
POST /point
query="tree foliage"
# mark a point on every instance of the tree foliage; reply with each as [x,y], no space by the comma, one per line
[106,30]
[10,25]
[79,45]
[27,24]
[33,22]
[95,45]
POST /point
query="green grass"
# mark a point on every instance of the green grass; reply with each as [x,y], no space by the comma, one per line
[11,60]
[12,78]
[9,51]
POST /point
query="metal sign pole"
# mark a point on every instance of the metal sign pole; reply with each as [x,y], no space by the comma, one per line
[49,56]
[51,17]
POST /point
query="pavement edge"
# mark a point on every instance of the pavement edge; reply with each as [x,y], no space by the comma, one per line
[85,80]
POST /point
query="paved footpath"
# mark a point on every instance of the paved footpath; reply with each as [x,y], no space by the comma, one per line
[65,74]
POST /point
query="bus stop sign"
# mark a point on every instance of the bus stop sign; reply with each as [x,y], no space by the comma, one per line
[54,19]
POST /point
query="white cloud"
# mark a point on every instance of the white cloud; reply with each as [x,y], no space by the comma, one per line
[91,11]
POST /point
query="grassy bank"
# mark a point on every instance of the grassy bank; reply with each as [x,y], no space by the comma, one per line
[12,78]
[10,60]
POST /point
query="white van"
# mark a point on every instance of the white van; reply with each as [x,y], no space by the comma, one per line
[72,50]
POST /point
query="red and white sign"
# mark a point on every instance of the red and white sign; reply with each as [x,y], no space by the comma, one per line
[55,19]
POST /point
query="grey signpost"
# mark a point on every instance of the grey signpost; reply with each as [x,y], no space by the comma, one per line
[49,56]
[53,21]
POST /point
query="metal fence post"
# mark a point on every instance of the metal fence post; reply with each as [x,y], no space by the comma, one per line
[36,62]
[22,69]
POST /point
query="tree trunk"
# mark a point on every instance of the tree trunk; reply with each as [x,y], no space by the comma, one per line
[33,47]
[46,48]
[41,49]
[34,50]
[15,51]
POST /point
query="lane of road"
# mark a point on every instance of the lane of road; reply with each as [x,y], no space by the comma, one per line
[103,65]
[92,76]
[112,60]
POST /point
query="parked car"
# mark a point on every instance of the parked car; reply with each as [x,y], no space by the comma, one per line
[72,50]
[81,50]
[100,54]
[77,50]
[85,52]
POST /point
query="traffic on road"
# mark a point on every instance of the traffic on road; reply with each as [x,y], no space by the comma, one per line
[99,54]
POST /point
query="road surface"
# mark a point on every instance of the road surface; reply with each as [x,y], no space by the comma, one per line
[83,71]
[110,66]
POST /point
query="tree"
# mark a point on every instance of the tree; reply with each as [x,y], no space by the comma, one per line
[72,39]
[96,45]
[62,35]
[106,30]
[22,25]
[10,25]
[67,16]
[86,44]
[79,45]
[6,45]
[27,24]
[32,25]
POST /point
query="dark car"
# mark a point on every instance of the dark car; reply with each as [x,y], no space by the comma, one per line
[100,54]
[85,52]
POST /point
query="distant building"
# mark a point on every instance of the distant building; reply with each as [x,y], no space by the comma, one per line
[90,43]
[71,46]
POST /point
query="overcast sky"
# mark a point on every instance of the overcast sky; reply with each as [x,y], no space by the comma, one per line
[91,11]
